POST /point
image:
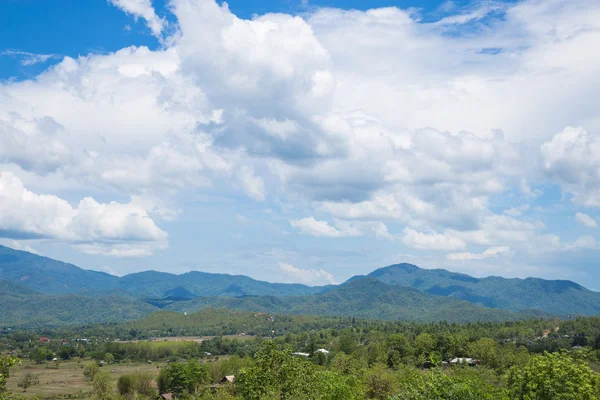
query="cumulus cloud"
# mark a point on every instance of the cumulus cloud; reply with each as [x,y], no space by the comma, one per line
[280,107]
[572,159]
[586,220]
[113,228]
[307,276]
[311,226]
[431,241]
[491,252]
[142,9]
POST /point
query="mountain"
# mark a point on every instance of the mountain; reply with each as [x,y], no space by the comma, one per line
[25,308]
[557,297]
[54,277]
[365,297]
[29,284]
[152,284]
[50,276]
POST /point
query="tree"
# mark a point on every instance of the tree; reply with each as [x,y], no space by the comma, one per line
[5,364]
[485,350]
[439,386]
[553,376]
[183,377]
[102,386]
[89,371]
[109,358]
[28,380]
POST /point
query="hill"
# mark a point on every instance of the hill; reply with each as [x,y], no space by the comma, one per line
[557,297]
[25,308]
[54,277]
[365,297]
[153,284]
[50,276]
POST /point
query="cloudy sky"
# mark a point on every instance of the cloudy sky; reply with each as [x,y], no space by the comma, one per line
[303,141]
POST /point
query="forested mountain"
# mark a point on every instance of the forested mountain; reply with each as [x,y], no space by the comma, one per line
[555,297]
[24,307]
[35,290]
[55,277]
[153,284]
[365,297]
[50,276]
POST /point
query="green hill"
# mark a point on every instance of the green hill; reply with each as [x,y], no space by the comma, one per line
[153,284]
[366,297]
[50,276]
[25,308]
[556,297]
[54,277]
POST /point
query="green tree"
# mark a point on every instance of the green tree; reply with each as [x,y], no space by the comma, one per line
[89,371]
[439,386]
[554,376]
[28,380]
[485,350]
[184,377]
[5,364]
[102,386]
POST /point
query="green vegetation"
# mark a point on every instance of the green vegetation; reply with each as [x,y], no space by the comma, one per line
[40,292]
[552,297]
[363,297]
[314,358]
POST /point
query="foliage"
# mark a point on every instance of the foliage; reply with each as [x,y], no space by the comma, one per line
[278,374]
[5,364]
[28,380]
[131,386]
[554,376]
[189,377]
[439,386]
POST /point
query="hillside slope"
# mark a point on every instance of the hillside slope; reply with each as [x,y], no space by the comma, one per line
[366,297]
[50,276]
[25,308]
[556,297]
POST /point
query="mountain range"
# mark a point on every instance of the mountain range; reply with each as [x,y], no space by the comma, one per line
[39,291]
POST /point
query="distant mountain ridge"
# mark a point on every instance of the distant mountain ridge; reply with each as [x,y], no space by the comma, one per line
[55,277]
[558,297]
[364,297]
[402,291]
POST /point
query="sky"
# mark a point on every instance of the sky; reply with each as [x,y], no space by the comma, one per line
[303,141]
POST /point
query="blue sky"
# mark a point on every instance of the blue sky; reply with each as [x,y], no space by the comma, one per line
[326,141]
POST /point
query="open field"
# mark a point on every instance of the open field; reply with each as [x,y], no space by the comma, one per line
[67,381]
[197,339]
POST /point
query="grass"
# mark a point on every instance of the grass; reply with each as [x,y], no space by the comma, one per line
[67,382]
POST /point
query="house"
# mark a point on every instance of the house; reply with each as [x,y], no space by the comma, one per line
[322,351]
[227,380]
[167,396]
[44,340]
[471,362]
[301,354]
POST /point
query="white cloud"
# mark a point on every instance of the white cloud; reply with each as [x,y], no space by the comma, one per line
[572,159]
[491,252]
[311,226]
[586,220]
[27,58]
[583,242]
[142,9]
[517,211]
[109,228]
[280,107]
[431,241]
[307,276]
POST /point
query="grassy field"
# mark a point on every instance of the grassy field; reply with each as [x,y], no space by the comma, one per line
[67,382]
